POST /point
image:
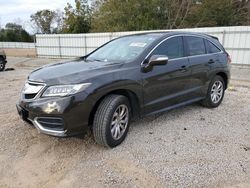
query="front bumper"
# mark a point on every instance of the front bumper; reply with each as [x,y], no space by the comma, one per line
[41,129]
[61,117]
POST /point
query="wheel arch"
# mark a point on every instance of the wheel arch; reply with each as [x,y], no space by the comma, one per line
[225,78]
[132,97]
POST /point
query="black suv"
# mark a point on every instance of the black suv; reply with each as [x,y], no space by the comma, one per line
[136,75]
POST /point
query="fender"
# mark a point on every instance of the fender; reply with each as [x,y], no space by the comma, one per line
[125,85]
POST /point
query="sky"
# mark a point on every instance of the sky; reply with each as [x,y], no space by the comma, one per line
[20,10]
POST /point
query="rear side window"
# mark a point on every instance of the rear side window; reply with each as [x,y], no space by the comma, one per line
[173,48]
[211,48]
[196,46]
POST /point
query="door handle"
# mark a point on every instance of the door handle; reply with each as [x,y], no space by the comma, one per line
[211,61]
[183,68]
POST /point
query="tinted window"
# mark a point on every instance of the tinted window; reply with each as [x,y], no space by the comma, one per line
[196,45]
[211,48]
[173,48]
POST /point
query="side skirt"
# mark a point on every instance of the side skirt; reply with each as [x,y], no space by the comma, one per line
[175,106]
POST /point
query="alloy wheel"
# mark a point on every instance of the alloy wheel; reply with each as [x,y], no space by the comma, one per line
[217,91]
[119,121]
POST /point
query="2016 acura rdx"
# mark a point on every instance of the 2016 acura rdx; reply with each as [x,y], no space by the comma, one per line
[135,75]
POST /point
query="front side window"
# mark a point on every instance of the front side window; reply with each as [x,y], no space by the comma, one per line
[195,45]
[173,48]
[211,48]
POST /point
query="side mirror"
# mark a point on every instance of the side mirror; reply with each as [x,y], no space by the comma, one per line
[154,61]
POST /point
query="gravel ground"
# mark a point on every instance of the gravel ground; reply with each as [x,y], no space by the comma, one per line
[187,147]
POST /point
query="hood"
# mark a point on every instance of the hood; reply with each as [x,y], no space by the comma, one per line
[72,72]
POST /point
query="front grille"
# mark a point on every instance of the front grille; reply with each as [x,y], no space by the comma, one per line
[51,123]
[30,96]
[32,89]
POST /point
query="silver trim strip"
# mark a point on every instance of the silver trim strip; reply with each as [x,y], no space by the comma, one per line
[40,91]
[31,89]
[44,130]
[182,35]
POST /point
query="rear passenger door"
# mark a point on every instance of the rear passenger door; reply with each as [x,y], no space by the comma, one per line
[199,62]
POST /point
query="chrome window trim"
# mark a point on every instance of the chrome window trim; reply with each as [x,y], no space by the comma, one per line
[183,35]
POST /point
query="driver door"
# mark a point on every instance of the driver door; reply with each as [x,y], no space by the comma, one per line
[170,84]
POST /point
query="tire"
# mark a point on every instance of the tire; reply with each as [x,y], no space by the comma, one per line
[108,123]
[2,64]
[215,93]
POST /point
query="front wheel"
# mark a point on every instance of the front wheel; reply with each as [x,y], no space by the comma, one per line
[215,93]
[111,121]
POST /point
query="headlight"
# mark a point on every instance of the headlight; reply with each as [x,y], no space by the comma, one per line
[64,90]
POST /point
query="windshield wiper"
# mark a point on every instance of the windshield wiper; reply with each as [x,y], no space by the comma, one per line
[99,60]
[94,60]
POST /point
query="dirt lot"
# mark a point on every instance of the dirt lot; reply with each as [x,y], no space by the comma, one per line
[187,147]
[20,52]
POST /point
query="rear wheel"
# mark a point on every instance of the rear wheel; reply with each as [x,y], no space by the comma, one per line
[215,92]
[2,64]
[111,121]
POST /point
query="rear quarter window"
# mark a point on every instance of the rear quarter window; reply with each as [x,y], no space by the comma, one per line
[211,48]
[196,45]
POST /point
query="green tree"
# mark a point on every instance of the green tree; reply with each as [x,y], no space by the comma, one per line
[219,13]
[121,15]
[78,19]
[43,20]
[128,15]
[14,33]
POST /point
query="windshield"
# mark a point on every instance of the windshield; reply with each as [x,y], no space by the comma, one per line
[122,49]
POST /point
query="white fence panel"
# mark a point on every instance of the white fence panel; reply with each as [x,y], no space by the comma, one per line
[16,45]
[236,41]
